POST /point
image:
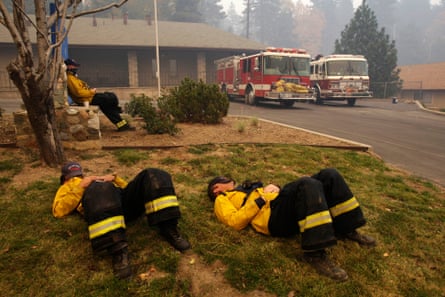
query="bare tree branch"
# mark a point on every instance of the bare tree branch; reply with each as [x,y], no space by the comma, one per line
[103,8]
[8,22]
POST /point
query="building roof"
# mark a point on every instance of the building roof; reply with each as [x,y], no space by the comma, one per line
[423,76]
[141,33]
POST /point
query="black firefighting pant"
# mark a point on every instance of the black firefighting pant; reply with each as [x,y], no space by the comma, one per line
[107,207]
[109,105]
[318,208]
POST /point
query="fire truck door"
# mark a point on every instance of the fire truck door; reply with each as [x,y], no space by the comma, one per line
[255,69]
[236,75]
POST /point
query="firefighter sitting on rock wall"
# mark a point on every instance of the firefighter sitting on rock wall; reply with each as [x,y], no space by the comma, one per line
[108,201]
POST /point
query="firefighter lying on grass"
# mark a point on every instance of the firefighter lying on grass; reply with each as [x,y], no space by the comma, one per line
[108,201]
[320,208]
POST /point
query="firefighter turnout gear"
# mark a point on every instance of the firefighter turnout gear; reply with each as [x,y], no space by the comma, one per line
[104,216]
[107,206]
[316,207]
[80,92]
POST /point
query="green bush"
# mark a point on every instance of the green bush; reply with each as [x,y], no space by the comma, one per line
[157,120]
[195,102]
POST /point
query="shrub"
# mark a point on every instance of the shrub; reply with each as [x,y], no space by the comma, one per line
[157,120]
[195,102]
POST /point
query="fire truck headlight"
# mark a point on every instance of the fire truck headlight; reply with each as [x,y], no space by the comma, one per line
[334,85]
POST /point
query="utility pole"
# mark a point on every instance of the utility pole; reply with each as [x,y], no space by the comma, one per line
[248,18]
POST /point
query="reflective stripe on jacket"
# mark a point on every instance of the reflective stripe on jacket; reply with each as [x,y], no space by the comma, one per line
[231,209]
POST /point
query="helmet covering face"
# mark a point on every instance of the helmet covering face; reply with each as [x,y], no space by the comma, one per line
[213,182]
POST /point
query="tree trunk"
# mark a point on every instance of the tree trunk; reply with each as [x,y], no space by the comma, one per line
[43,123]
[41,114]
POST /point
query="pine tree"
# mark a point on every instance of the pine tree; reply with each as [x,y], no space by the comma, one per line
[212,12]
[362,37]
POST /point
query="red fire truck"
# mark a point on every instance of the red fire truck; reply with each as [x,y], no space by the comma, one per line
[340,78]
[276,74]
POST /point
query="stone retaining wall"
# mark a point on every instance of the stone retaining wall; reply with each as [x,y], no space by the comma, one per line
[79,128]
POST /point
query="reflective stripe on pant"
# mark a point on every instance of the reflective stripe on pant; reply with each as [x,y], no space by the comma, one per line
[301,208]
[344,207]
[104,215]
[151,192]
[103,227]
[161,203]
[315,220]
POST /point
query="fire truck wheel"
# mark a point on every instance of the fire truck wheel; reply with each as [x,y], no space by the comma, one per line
[318,99]
[351,101]
[250,97]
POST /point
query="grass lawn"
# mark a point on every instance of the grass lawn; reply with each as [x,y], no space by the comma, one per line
[44,256]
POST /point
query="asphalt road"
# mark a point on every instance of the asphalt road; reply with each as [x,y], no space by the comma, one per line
[402,134]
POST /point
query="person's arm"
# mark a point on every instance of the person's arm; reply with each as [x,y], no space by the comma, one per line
[69,195]
[118,181]
[79,89]
[86,181]
[238,219]
[67,198]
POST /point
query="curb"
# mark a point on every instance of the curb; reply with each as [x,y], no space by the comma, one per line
[426,109]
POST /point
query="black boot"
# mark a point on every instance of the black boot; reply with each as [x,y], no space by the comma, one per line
[362,239]
[169,230]
[121,264]
[320,261]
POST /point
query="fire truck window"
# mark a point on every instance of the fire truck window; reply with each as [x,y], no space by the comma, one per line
[321,69]
[283,66]
[338,67]
[271,65]
[246,65]
[257,64]
[358,68]
[300,66]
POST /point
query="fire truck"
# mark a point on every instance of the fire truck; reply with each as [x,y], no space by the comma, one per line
[340,78]
[276,74]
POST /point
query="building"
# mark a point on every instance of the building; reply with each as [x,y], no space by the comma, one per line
[120,54]
[425,83]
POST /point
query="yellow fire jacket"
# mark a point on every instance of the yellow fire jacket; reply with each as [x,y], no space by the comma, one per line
[231,209]
[78,89]
[69,196]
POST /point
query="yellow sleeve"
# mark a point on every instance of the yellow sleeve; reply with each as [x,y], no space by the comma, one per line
[68,198]
[78,89]
[120,182]
[228,214]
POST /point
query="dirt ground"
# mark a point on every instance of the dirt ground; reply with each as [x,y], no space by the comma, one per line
[231,130]
[206,280]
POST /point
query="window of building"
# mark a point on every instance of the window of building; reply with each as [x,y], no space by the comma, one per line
[172,68]
[153,67]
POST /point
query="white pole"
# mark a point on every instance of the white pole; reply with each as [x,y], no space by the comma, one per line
[158,69]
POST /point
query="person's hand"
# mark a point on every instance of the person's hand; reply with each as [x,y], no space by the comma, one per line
[109,177]
[220,188]
[86,181]
[271,188]
[94,90]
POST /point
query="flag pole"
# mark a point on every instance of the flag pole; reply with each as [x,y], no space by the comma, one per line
[158,71]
